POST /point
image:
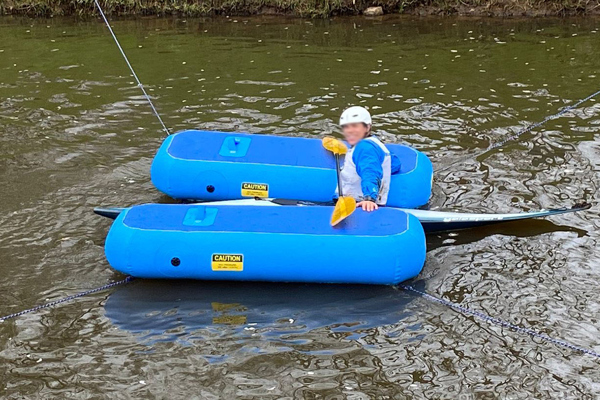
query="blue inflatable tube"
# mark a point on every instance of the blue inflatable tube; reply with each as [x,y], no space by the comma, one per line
[204,165]
[254,243]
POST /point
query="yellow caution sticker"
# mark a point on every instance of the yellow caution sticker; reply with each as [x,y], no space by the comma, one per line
[227,262]
[255,189]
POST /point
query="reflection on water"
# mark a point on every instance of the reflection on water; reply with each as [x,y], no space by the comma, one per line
[522,229]
[189,311]
[76,133]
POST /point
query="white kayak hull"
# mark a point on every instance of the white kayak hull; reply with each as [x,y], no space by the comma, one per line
[432,221]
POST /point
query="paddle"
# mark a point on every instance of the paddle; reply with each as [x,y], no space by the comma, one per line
[345,206]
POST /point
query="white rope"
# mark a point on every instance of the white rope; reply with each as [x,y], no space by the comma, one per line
[139,83]
[528,128]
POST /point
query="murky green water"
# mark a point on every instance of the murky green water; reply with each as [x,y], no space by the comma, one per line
[75,133]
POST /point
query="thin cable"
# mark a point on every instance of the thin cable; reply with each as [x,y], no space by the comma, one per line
[131,68]
[529,128]
[68,298]
[498,321]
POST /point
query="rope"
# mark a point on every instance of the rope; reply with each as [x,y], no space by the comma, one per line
[498,321]
[68,298]
[139,83]
[529,128]
[455,306]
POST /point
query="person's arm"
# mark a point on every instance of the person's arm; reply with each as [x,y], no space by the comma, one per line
[368,158]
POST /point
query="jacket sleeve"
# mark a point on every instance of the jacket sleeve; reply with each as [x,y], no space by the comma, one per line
[368,158]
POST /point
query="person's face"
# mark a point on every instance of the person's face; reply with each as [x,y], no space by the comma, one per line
[355,132]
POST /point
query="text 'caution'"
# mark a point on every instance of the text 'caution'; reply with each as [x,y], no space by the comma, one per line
[255,190]
[227,262]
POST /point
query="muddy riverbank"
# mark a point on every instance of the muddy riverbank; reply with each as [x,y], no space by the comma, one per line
[302,8]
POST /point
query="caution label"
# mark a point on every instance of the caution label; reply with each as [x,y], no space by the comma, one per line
[255,189]
[227,262]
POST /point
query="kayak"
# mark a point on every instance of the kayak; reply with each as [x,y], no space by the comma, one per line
[257,243]
[209,166]
[432,221]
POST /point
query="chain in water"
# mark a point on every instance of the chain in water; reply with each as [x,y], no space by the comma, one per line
[68,298]
[458,307]
[529,128]
[498,321]
[139,83]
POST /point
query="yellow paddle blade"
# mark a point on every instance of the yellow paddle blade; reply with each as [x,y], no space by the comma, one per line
[334,145]
[343,208]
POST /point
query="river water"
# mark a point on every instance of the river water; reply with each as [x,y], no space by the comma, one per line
[76,133]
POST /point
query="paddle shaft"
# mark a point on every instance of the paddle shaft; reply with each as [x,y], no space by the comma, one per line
[337,170]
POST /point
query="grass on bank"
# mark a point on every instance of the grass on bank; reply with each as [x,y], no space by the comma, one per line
[302,8]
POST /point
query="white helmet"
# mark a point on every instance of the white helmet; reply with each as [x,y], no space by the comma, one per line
[355,114]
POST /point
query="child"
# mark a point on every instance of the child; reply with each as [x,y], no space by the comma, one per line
[368,165]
